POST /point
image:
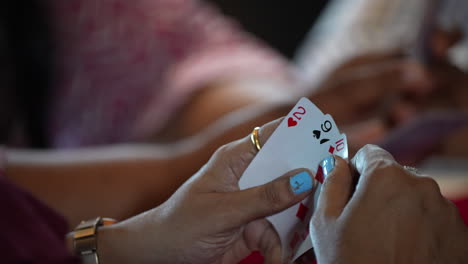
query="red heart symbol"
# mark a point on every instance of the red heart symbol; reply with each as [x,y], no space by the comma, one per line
[292,122]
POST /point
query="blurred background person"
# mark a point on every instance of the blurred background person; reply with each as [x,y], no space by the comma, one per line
[431,33]
[172,80]
[180,79]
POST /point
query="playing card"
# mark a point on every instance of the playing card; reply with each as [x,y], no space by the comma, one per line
[302,140]
[271,158]
[340,149]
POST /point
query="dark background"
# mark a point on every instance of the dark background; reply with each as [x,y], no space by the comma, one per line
[282,24]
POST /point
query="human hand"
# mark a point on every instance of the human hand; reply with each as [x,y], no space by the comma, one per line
[448,81]
[451,91]
[393,216]
[366,87]
[362,95]
[209,220]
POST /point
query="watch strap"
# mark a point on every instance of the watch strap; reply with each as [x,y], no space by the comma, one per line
[85,239]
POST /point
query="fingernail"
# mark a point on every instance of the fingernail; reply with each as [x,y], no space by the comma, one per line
[301,182]
[328,164]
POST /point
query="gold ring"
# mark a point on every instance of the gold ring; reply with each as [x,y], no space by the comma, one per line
[412,170]
[254,138]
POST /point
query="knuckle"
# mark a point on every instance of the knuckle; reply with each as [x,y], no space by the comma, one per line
[429,186]
[430,194]
[451,208]
[223,151]
[317,222]
[232,159]
[388,166]
[371,149]
[364,150]
[385,171]
[390,180]
[453,212]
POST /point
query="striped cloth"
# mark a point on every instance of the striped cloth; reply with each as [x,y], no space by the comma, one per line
[127,67]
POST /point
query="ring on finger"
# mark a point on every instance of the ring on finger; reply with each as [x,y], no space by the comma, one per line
[254,139]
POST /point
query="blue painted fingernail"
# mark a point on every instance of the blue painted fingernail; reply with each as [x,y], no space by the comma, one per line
[328,164]
[301,182]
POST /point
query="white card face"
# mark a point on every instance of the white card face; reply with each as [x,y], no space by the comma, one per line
[302,140]
[295,221]
[272,161]
[341,149]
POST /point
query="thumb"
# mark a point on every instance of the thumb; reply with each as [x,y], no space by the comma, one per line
[271,198]
[336,188]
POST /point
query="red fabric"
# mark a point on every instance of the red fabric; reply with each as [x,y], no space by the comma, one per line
[255,258]
[462,204]
[32,232]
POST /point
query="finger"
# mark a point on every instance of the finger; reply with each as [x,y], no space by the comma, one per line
[386,78]
[260,236]
[368,159]
[367,59]
[336,188]
[239,154]
[400,75]
[270,198]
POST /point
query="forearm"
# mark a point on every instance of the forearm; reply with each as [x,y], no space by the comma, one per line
[228,110]
[131,241]
[121,181]
[83,184]
[220,100]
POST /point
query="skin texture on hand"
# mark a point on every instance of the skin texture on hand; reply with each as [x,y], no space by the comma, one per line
[392,216]
[208,220]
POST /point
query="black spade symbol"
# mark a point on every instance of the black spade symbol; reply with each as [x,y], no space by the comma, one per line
[317,134]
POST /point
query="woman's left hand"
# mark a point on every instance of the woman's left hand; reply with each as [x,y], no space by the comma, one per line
[367,87]
[208,220]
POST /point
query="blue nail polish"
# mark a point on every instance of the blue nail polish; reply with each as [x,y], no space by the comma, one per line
[301,182]
[328,164]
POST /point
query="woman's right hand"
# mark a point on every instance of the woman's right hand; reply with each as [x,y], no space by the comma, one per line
[393,216]
[209,219]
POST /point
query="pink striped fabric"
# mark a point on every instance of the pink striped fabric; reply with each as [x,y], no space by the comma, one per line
[127,66]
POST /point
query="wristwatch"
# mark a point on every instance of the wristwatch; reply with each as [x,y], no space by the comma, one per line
[85,239]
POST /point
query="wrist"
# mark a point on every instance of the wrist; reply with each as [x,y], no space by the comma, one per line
[84,240]
[114,245]
[134,241]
